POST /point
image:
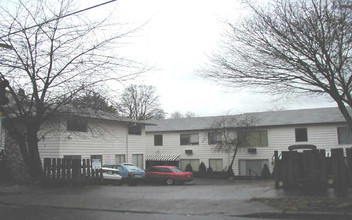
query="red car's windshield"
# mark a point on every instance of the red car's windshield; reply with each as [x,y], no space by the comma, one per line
[177,170]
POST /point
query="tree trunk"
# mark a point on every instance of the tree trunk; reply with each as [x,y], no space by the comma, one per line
[35,164]
[26,138]
[230,170]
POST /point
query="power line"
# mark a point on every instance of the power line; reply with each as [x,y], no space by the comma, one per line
[54,19]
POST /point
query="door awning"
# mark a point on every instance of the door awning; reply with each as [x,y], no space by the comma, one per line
[162,157]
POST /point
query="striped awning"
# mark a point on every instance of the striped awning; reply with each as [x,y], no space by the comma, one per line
[162,157]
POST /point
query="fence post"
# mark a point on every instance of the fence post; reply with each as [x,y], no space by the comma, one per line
[53,169]
[276,169]
[284,169]
[339,169]
[323,169]
[58,170]
[349,164]
[47,164]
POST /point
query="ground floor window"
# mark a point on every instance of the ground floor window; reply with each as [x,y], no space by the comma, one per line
[344,135]
[120,158]
[194,163]
[216,164]
[137,160]
[252,167]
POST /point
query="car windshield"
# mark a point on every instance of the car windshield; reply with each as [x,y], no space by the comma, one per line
[132,167]
[177,170]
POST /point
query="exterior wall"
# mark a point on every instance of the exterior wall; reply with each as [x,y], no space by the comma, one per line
[279,138]
[106,138]
[171,145]
[136,145]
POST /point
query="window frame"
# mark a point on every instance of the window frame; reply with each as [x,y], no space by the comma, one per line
[156,143]
[339,133]
[213,138]
[298,135]
[77,124]
[189,142]
[135,130]
[263,139]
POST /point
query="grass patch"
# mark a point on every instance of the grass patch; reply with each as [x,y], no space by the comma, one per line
[309,204]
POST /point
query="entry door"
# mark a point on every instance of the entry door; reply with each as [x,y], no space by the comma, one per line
[252,167]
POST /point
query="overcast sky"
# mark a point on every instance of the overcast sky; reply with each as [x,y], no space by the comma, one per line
[176,40]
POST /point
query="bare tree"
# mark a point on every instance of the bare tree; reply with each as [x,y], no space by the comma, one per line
[190,114]
[176,115]
[291,46]
[229,133]
[54,54]
[140,102]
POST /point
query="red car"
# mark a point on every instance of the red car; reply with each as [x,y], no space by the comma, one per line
[168,174]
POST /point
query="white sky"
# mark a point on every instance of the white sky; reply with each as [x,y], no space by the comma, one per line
[175,41]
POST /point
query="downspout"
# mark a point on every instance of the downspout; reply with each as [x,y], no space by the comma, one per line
[127,144]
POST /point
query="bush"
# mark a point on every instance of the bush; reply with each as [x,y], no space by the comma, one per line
[265,172]
[189,168]
[202,168]
[210,170]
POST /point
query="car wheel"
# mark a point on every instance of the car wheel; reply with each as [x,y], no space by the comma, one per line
[118,183]
[170,181]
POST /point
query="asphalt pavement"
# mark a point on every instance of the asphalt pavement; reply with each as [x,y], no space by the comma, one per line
[199,199]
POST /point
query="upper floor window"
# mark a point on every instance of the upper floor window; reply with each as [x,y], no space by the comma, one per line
[301,134]
[135,130]
[214,138]
[77,124]
[189,139]
[344,135]
[158,140]
[253,138]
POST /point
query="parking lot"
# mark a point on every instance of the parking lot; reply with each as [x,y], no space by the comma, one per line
[199,197]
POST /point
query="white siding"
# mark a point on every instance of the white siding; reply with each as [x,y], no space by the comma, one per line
[106,138]
[279,138]
[136,145]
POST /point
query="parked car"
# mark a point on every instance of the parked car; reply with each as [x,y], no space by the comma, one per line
[111,175]
[129,172]
[168,174]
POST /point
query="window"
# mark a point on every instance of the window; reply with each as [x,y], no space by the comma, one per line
[301,134]
[97,157]
[344,135]
[77,124]
[164,170]
[158,140]
[194,163]
[252,167]
[120,158]
[253,138]
[135,130]
[216,164]
[189,139]
[137,160]
[214,138]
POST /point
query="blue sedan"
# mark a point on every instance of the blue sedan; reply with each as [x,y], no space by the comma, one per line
[128,170]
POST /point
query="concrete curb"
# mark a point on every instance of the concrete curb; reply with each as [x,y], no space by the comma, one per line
[300,215]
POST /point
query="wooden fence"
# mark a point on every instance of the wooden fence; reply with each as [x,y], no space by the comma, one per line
[70,172]
[313,169]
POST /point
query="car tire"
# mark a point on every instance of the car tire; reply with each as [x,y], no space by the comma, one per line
[118,183]
[170,181]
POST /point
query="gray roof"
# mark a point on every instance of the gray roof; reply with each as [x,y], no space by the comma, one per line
[97,114]
[262,119]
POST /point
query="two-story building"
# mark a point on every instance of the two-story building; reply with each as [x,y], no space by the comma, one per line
[89,134]
[190,140]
